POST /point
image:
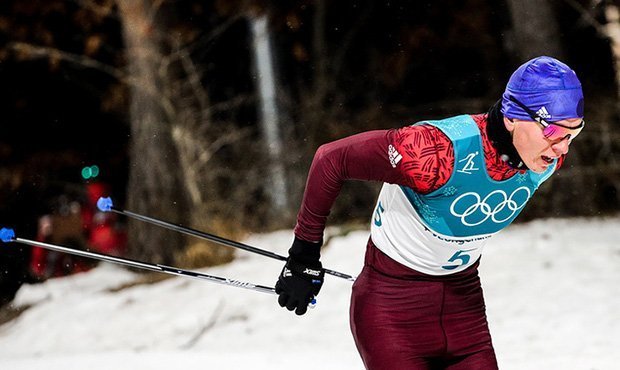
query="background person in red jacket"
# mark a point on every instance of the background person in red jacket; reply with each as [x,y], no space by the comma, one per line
[73,220]
[449,185]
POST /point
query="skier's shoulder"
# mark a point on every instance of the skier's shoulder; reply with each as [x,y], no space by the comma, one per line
[422,135]
[427,156]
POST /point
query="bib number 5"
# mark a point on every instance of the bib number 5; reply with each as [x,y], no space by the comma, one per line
[461,256]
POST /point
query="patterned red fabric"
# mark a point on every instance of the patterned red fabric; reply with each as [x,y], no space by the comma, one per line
[428,156]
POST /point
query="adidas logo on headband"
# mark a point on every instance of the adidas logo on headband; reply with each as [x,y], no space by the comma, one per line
[543,113]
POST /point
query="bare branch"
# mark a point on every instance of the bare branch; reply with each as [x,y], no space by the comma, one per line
[230,104]
[345,44]
[204,41]
[222,141]
[100,10]
[588,17]
[36,51]
[151,12]
[194,80]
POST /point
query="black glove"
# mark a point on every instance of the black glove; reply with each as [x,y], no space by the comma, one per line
[301,278]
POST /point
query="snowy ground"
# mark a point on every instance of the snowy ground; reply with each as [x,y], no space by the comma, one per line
[551,288]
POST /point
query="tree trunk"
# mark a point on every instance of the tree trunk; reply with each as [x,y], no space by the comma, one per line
[536,31]
[269,113]
[612,29]
[153,187]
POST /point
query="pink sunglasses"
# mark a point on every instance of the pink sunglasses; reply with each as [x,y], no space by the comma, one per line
[552,130]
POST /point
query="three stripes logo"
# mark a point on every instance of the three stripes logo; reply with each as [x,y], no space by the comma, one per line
[394,156]
[543,113]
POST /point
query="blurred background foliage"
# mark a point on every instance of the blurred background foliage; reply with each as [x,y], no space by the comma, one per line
[164,96]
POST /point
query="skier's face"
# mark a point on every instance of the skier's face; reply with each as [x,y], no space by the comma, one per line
[537,151]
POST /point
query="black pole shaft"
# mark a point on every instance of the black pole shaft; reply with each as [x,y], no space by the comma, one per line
[199,234]
[216,239]
[149,266]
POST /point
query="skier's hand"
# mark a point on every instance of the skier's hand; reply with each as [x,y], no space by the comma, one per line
[301,278]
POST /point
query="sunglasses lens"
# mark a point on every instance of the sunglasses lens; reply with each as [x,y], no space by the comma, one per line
[555,132]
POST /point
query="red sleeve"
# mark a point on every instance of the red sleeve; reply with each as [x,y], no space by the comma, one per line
[419,157]
[428,157]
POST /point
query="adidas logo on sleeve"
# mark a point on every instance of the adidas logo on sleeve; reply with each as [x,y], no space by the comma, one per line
[394,156]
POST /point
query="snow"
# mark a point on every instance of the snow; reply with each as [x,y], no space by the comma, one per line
[550,286]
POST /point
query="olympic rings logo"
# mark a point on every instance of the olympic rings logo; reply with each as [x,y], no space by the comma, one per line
[483,207]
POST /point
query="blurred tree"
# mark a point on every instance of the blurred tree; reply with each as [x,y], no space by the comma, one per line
[535,29]
[154,179]
[384,64]
[183,71]
[174,173]
[270,117]
[611,30]
[604,17]
[172,137]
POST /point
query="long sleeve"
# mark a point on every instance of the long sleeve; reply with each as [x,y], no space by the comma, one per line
[419,157]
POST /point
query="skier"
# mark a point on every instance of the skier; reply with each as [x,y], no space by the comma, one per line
[449,185]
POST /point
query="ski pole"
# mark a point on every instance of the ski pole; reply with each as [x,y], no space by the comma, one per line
[105,205]
[8,235]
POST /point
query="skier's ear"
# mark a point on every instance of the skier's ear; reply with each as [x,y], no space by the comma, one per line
[509,124]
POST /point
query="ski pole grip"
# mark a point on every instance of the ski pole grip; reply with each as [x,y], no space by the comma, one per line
[7,235]
[104,204]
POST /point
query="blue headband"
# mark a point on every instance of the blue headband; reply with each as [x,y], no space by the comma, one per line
[546,86]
